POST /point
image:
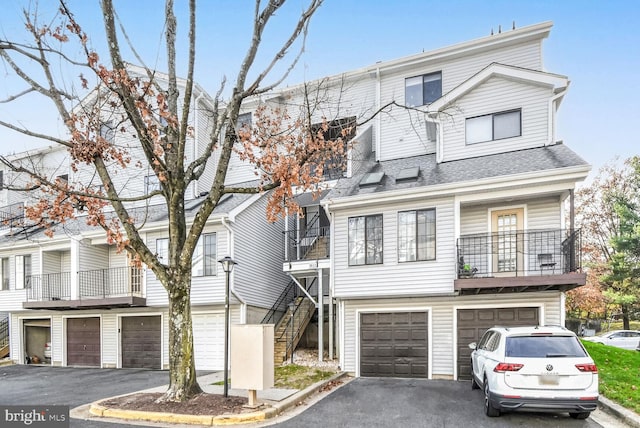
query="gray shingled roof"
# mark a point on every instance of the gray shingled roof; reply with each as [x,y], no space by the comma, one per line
[433,173]
[151,214]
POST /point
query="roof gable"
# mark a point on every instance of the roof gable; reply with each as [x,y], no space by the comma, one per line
[555,81]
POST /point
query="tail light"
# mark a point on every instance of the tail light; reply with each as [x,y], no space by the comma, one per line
[589,367]
[507,367]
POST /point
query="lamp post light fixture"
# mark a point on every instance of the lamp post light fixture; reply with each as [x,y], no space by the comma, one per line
[292,309]
[227,266]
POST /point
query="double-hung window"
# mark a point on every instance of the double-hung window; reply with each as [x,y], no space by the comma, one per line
[204,257]
[365,240]
[151,184]
[162,250]
[421,90]
[416,235]
[4,264]
[495,126]
[23,271]
[108,131]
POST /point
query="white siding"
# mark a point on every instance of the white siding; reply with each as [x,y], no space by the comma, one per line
[494,96]
[93,257]
[403,133]
[259,250]
[443,336]
[393,278]
[109,335]
[540,213]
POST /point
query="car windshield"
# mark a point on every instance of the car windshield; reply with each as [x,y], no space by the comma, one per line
[544,347]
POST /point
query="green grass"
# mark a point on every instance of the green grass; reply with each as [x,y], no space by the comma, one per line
[617,325]
[294,376]
[618,372]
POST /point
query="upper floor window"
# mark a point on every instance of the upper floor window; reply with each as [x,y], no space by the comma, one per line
[108,131]
[162,250]
[417,235]
[365,240]
[23,271]
[203,262]
[151,183]
[4,265]
[344,128]
[421,90]
[244,120]
[494,126]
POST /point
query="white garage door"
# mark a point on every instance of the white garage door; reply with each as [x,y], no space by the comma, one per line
[208,341]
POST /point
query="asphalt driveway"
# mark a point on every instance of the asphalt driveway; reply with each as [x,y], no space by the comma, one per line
[40,385]
[381,402]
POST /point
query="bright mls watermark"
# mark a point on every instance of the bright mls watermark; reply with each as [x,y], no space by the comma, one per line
[34,416]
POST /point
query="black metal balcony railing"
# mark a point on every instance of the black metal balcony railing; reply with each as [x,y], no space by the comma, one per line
[103,283]
[311,243]
[11,215]
[51,286]
[519,253]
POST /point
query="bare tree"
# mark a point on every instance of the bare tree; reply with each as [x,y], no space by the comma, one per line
[158,112]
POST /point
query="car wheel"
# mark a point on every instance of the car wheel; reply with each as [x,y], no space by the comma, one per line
[489,410]
[581,415]
[474,384]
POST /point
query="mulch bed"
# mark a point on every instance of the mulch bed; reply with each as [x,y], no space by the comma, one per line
[202,404]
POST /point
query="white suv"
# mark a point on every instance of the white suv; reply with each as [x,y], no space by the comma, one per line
[541,368]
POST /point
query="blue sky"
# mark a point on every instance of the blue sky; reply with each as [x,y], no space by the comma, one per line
[595,43]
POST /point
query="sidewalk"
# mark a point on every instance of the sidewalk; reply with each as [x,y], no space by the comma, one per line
[275,401]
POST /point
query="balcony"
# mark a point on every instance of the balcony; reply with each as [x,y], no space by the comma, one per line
[307,249]
[530,260]
[100,288]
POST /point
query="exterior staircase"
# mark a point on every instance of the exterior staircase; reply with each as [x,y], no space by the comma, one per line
[289,329]
[4,337]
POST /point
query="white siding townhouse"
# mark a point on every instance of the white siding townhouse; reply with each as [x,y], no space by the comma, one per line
[451,217]
[77,293]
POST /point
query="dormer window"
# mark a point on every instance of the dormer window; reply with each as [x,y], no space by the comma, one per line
[421,90]
[496,126]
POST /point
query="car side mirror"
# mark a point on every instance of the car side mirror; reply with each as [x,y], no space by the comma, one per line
[473,346]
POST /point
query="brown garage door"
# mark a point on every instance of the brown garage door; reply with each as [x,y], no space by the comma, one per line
[472,323]
[394,344]
[83,342]
[141,342]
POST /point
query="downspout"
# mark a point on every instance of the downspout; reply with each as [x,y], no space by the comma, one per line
[552,115]
[196,135]
[332,327]
[378,123]
[243,303]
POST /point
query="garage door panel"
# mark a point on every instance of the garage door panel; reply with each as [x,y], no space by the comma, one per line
[83,342]
[141,338]
[472,323]
[394,344]
[208,338]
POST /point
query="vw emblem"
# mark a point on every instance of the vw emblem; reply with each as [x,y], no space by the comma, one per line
[549,367]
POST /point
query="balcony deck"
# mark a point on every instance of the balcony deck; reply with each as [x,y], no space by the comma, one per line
[530,260]
[101,288]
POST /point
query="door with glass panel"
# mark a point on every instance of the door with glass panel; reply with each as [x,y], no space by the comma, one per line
[507,242]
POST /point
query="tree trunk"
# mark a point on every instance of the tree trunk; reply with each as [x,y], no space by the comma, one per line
[625,317]
[182,370]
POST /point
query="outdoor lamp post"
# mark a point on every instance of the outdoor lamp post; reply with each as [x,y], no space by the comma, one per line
[227,266]
[292,308]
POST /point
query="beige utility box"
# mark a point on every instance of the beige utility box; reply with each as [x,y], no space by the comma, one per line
[252,356]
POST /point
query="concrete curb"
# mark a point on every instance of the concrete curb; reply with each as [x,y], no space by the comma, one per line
[6,363]
[99,410]
[627,416]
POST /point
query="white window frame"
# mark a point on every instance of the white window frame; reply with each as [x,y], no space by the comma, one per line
[162,250]
[421,81]
[202,262]
[361,245]
[412,247]
[485,126]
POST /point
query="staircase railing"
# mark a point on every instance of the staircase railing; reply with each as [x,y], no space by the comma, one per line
[299,243]
[292,334]
[4,332]
[281,306]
